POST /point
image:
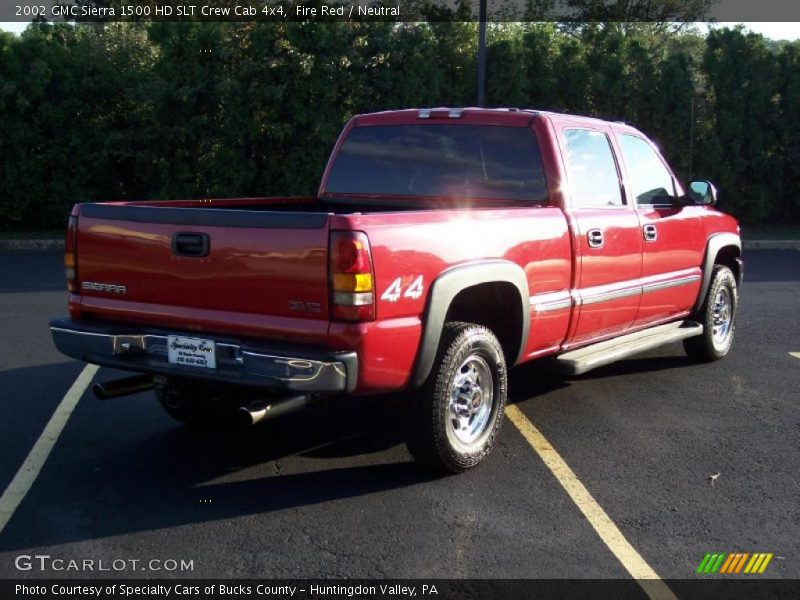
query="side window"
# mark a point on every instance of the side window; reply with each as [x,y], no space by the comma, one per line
[592,172]
[648,178]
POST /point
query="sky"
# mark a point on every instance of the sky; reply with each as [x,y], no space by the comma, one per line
[775,31]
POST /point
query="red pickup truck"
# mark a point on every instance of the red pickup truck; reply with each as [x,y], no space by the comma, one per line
[444,246]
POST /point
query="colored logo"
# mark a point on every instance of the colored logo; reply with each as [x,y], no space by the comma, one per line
[736,562]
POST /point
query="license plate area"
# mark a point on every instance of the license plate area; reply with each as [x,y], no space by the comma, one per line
[191,352]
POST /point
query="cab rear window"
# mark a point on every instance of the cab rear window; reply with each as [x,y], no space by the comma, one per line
[469,161]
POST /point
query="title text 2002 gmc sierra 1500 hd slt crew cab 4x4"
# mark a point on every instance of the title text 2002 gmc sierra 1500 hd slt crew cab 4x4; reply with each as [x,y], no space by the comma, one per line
[443,247]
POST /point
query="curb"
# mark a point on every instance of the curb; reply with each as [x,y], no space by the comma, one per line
[35,246]
[58,245]
[771,244]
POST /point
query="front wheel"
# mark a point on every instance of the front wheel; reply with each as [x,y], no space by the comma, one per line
[456,415]
[718,317]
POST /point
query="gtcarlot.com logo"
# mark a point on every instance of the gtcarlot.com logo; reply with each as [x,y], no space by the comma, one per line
[734,563]
[45,562]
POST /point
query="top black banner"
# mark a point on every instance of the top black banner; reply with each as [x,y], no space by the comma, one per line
[580,11]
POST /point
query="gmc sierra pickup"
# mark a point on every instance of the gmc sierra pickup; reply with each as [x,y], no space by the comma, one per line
[444,246]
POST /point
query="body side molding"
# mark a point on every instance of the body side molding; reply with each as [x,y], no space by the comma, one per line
[446,287]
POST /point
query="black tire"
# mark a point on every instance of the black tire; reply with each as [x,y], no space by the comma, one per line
[469,359]
[189,403]
[718,317]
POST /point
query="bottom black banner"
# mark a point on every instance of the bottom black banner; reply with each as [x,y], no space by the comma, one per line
[436,589]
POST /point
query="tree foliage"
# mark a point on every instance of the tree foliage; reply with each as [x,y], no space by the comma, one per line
[132,111]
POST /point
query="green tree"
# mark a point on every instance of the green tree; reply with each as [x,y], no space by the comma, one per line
[131,111]
[787,155]
[740,147]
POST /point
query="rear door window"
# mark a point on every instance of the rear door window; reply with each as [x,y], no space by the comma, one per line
[591,168]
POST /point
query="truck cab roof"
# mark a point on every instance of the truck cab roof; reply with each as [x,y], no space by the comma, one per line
[483,116]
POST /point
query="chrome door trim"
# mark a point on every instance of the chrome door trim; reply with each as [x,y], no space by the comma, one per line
[594,297]
[551,301]
[560,300]
[663,285]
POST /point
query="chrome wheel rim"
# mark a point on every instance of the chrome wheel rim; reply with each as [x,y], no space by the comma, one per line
[471,399]
[722,318]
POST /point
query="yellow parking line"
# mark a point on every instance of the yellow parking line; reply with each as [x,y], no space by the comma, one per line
[29,471]
[644,574]
[795,354]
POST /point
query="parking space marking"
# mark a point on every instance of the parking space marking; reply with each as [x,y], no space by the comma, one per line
[633,562]
[29,471]
[795,354]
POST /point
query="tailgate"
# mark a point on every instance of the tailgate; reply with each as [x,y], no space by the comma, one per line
[212,269]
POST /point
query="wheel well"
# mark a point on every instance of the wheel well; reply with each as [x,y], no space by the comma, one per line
[727,256]
[495,305]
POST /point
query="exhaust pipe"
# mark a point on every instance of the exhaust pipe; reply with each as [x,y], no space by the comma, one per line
[123,387]
[259,411]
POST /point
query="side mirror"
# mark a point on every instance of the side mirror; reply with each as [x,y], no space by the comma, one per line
[702,192]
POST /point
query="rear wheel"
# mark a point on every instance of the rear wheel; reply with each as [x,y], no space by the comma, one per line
[718,317]
[456,415]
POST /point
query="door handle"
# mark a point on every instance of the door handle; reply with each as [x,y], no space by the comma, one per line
[190,244]
[595,238]
[650,233]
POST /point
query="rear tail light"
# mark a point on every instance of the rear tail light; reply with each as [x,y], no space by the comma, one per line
[352,297]
[71,251]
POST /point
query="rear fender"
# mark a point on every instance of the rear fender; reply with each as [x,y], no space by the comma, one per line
[445,289]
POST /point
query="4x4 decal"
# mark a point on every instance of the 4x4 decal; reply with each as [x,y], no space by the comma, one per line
[395,290]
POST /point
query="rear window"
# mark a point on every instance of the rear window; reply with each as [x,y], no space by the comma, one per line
[469,161]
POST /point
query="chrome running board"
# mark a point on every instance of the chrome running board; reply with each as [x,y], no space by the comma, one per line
[576,362]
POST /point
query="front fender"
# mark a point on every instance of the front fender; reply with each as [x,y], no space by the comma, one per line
[715,243]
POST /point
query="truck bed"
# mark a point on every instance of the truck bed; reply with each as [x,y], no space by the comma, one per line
[263,272]
[219,263]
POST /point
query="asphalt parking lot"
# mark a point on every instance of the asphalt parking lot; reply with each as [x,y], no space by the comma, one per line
[333,492]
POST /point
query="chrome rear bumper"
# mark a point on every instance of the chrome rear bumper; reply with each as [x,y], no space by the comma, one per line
[275,366]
